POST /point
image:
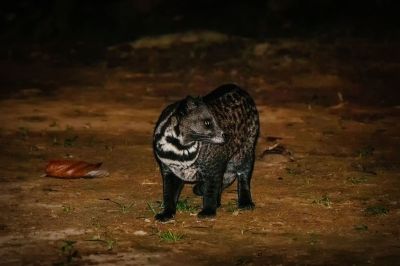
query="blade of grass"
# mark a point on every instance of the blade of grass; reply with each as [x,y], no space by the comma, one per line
[151,208]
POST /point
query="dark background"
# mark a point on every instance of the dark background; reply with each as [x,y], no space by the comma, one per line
[75,84]
[122,20]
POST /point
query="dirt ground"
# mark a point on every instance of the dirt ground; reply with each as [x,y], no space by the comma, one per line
[327,195]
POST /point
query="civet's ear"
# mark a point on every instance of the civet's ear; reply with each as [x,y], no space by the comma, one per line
[191,103]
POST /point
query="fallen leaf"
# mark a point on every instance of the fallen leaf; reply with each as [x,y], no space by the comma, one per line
[70,169]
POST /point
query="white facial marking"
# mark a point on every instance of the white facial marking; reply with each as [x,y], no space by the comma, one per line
[162,123]
[185,170]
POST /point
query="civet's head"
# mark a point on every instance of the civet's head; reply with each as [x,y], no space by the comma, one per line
[197,123]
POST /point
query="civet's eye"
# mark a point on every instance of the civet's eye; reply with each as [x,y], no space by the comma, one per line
[207,123]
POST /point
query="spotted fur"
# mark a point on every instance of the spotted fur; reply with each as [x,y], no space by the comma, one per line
[209,141]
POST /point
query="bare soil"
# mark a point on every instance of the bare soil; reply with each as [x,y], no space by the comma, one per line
[328,196]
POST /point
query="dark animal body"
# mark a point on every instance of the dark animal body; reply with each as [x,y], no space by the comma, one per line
[209,141]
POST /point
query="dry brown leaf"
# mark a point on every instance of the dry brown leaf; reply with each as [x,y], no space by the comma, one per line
[70,169]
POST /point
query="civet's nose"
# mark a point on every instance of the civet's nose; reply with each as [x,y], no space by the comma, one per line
[223,137]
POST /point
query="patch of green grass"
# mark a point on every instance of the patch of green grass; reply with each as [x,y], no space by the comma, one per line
[376,210]
[124,208]
[67,209]
[361,227]
[358,180]
[69,252]
[108,242]
[292,171]
[314,239]
[325,201]
[365,151]
[152,208]
[231,206]
[95,222]
[169,236]
[69,142]
[185,205]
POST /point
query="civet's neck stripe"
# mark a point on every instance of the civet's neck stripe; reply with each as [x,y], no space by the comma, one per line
[169,142]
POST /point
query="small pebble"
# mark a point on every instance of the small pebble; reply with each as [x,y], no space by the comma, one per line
[140,233]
